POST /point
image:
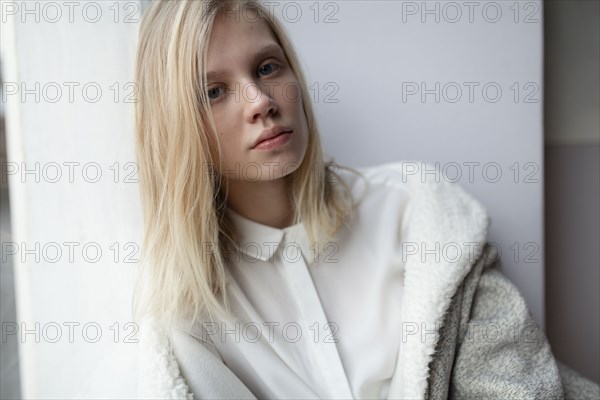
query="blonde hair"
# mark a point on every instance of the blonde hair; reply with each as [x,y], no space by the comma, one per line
[187,233]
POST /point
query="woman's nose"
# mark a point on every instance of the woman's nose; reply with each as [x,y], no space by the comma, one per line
[259,101]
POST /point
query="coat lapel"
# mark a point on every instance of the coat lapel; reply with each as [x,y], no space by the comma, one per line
[159,375]
[447,232]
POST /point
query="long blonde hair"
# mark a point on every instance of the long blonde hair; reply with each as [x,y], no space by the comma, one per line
[187,234]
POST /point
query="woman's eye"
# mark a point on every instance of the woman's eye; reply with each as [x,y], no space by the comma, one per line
[268,69]
[214,93]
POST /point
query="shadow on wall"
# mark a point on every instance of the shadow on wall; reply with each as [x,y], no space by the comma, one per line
[9,351]
[572,182]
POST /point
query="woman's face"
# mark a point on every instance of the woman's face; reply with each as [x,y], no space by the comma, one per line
[254,95]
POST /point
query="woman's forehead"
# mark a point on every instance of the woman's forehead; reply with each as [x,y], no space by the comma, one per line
[232,40]
[229,28]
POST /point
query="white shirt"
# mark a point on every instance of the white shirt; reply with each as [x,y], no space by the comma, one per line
[319,323]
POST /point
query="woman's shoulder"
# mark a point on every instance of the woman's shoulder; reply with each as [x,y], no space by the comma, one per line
[407,175]
[432,196]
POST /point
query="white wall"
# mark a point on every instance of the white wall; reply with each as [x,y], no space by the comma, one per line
[49,134]
[365,61]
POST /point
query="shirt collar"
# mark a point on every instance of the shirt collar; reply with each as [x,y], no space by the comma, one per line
[262,242]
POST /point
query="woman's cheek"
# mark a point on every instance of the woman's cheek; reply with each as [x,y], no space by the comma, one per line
[291,92]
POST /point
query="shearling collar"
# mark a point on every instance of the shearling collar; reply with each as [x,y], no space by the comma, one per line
[446,218]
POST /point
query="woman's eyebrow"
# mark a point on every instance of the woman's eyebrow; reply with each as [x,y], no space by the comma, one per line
[267,50]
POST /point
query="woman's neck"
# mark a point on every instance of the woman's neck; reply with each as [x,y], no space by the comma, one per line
[265,202]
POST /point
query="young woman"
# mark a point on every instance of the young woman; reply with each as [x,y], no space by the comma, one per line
[271,273]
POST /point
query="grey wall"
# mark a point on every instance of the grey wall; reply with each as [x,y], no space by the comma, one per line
[572,193]
[364,59]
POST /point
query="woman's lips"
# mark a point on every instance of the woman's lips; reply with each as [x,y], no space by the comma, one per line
[274,142]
